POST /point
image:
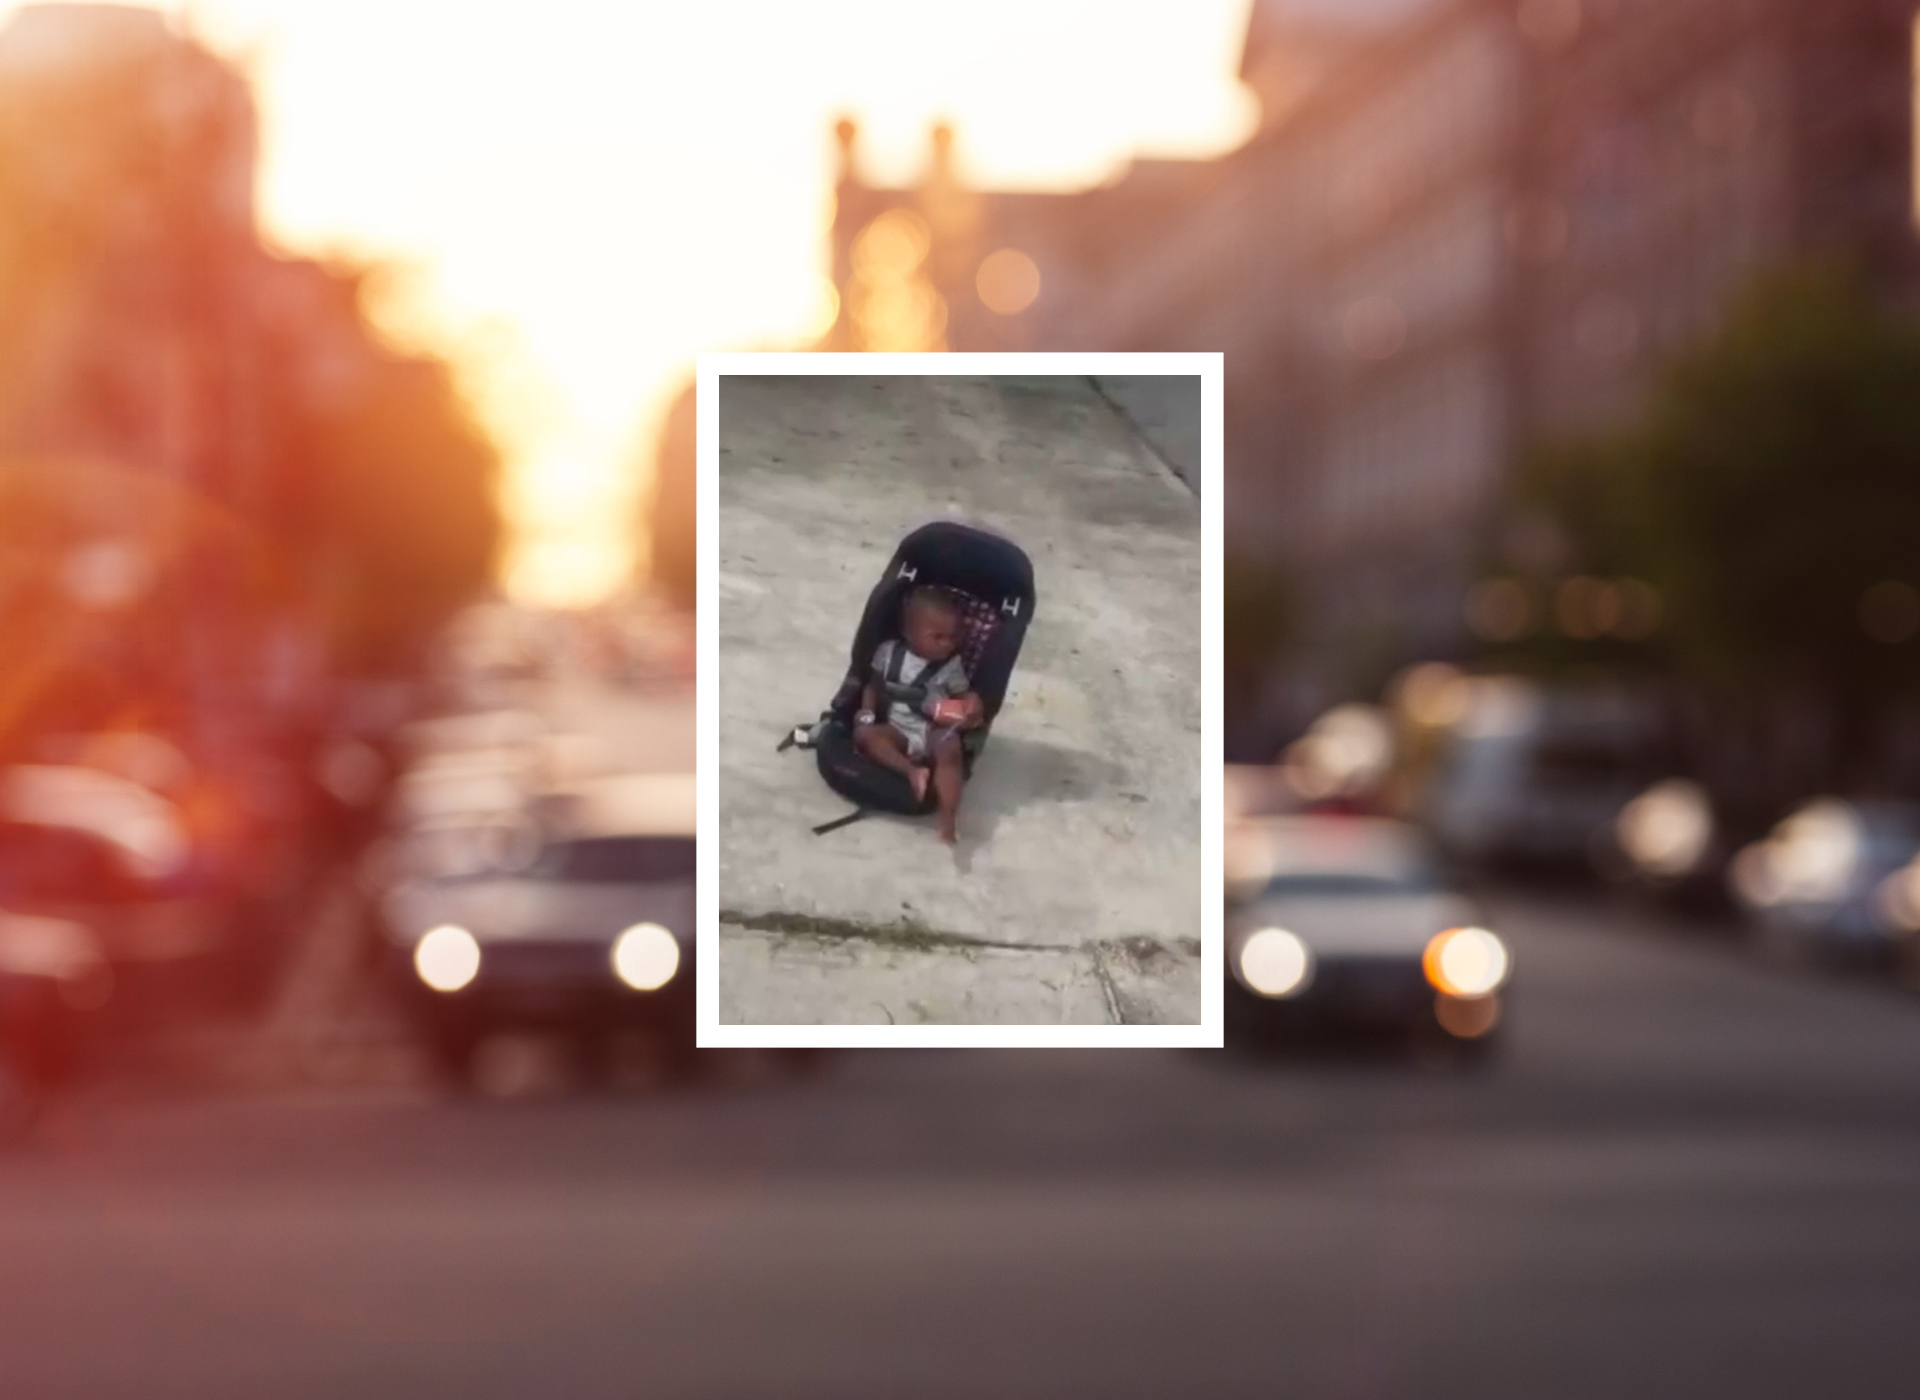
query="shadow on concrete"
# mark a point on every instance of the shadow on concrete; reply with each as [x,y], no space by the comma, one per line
[1013,773]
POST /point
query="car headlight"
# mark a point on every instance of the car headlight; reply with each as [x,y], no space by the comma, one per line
[1276,963]
[1466,962]
[447,958]
[646,957]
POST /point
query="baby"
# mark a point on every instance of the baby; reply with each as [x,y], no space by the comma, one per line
[923,744]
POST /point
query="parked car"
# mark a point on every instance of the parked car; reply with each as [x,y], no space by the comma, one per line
[1533,777]
[1834,878]
[588,934]
[1347,922]
[54,979]
[99,850]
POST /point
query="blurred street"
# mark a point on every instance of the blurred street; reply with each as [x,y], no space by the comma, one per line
[348,579]
[1690,1173]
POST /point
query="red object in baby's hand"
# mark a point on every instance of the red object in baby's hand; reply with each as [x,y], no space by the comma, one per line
[953,711]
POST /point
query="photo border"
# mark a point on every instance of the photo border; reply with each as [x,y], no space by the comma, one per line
[710,1033]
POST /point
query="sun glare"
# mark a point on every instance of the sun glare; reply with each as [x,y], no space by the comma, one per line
[581,198]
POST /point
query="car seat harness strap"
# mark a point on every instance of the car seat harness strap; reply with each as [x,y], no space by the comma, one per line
[848,820]
[897,689]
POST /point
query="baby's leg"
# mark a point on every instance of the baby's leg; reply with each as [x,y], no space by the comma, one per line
[887,747]
[948,779]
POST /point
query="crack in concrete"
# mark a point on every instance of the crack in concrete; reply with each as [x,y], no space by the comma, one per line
[1106,988]
[1174,473]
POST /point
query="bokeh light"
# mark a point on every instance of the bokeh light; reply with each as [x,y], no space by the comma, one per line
[447,958]
[1466,962]
[1433,695]
[1808,858]
[1586,608]
[1500,609]
[646,957]
[1276,963]
[1666,829]
[1008,282]
[1347,751]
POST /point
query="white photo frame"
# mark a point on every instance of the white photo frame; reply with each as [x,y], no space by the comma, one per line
[710,1031]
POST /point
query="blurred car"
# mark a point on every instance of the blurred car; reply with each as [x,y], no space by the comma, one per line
[107,853]
[1539,778]
[1835,877]
[590,936]
[54,977]
[1257,790]
[1673,842]
[1346,922]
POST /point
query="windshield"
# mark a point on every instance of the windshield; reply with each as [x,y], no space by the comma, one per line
[56,863]
[1415,880]
[617,859]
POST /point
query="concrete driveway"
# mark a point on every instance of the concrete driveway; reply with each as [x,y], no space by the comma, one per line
[1074,894]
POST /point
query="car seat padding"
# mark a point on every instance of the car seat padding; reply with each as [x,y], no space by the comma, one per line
[991,581]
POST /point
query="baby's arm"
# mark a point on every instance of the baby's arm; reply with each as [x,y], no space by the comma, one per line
[955,692]
[870,692]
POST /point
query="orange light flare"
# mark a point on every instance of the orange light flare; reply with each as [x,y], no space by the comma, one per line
[589,198]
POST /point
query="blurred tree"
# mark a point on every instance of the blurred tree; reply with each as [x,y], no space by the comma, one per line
[382,482]
[1768,493]
[94,558]
[1257,598]
[406,509]
[671,507]
[143,324]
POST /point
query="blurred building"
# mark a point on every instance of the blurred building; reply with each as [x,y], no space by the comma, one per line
[1461,225]
[1673,148]
[126,204]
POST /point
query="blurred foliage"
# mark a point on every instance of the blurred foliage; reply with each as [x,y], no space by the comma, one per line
[1258,600]
[91,553]
[404,527]
[1772,479]
[218,486]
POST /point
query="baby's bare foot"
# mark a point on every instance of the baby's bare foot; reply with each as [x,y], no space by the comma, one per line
[948,834]
[920,777]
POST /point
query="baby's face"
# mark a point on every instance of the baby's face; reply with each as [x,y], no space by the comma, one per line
[932,633]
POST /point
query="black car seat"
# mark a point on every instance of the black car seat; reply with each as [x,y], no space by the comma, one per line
[990,579]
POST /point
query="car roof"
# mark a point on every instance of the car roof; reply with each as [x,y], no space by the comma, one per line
[1262,849]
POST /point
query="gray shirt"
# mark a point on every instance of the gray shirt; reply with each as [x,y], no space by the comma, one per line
[943,682]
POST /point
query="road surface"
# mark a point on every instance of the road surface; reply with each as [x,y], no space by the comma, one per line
[1693,1176]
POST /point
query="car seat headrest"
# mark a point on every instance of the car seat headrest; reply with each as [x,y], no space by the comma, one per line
[979,620]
